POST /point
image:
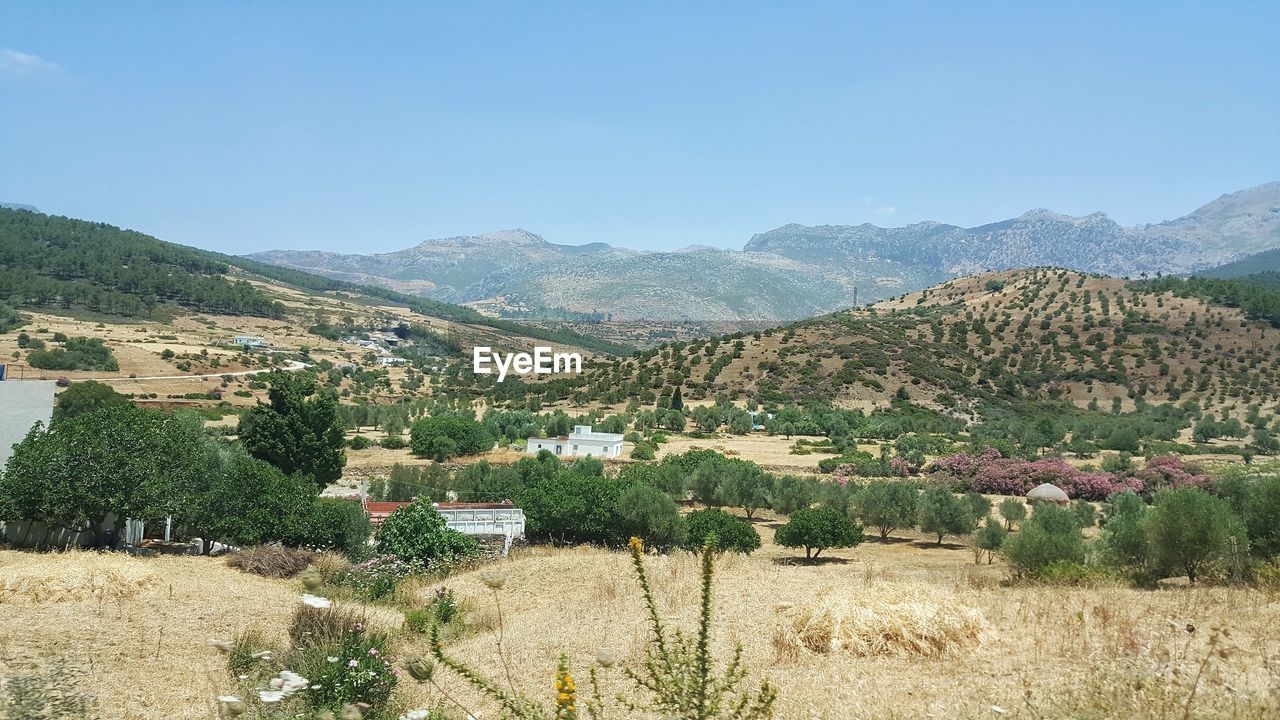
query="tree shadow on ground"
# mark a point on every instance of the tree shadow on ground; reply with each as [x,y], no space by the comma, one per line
[811,561]
[933,545]
[891,540]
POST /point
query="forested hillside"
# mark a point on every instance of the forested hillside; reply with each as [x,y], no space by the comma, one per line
[48,261]
[62,263]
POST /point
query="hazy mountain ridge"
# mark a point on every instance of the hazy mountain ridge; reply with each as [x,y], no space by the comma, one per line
[797,271]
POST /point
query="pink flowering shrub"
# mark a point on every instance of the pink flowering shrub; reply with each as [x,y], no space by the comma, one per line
[1098,485]
[959,465]
[1169,471]
[1009,476]
[899,467]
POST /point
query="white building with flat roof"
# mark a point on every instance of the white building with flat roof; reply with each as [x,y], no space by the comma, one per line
[23,403]
[580,443]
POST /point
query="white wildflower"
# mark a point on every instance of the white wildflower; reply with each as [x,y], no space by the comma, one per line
[228,699]
[282,686]
[271,696]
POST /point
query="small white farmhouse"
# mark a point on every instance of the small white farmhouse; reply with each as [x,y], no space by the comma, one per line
[580,443]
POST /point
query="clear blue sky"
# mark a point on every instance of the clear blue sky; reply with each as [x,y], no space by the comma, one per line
[373,126]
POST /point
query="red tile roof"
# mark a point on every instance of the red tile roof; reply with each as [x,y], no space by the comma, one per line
[474,506]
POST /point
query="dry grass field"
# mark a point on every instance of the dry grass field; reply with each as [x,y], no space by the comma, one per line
[886,630]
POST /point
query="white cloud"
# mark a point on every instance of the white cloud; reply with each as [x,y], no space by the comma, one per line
[886,210]
[13,62]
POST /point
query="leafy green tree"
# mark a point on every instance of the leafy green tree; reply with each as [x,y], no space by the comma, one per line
[1124,538]
[444,436]
[1013,510]
[733,534]
[1052,535]
[942,513]
[886,506]
[792,492]
[1262,516]
[298,430]
[416,533]
[252,502]
[569,507]
[979,505]
[677,401]
[337,524]
[1189,531]
[817,529]
[650,514]
[119,461]
[989,539]
[704,484]
[1086,513]
[86,396]
[745,485]
[1124,439]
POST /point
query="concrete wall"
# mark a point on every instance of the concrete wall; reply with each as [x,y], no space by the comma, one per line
[23,403]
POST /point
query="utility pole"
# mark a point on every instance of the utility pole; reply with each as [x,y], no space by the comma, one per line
[855,296]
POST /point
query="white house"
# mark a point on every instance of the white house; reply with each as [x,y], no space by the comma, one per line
[23,403]
[252,341]
[580,443]
[391,360]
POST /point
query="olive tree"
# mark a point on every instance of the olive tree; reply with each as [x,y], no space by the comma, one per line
[886,506]
[817,529]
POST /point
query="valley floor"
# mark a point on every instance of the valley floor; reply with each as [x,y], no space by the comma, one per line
[932,635]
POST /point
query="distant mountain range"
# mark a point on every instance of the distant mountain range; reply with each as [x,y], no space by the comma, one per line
[797,271]
[19,206]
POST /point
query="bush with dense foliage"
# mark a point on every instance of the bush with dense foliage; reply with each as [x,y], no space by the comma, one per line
[1190,532]
[120,460]
[650,514]
[444,436]
[86,396]
[416,533]
[733,534]
[817,529]
[75,354]
[1052,535]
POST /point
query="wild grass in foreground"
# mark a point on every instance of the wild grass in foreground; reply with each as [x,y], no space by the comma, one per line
[679,678]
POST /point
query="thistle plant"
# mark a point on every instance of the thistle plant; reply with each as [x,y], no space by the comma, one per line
[679,673]
[679,677]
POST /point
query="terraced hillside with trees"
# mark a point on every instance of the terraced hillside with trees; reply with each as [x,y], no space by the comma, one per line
[997,339]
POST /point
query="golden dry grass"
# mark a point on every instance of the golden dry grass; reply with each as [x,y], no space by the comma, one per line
[906,620]
[71,577]
[1040,652]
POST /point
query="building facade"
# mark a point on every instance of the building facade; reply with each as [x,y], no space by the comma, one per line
[23,403]
[580,443]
